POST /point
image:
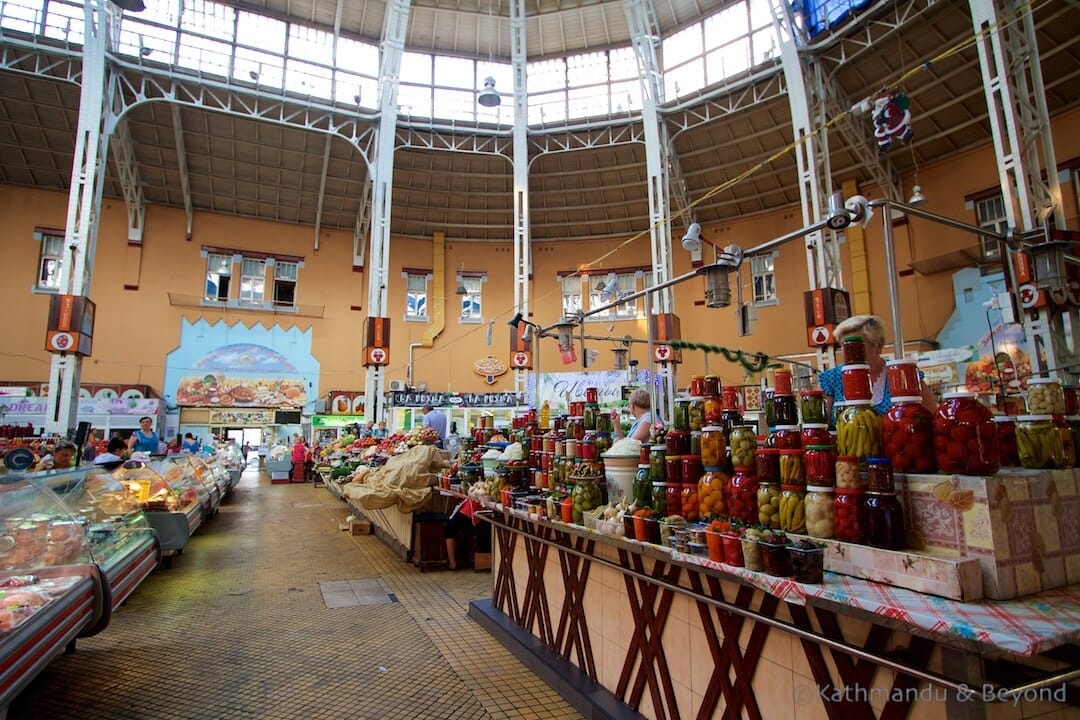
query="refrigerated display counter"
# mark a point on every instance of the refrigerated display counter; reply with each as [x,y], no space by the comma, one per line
[197,468]
[51,592]
[171,500]
[122,544]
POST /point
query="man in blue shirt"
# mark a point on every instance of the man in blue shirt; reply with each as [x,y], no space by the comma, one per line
[435,420]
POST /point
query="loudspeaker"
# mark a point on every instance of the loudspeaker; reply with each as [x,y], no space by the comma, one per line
[81,432]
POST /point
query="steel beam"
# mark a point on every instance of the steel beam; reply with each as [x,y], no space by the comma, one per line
[182,167]
[127,171]
[363,225]
[322,189]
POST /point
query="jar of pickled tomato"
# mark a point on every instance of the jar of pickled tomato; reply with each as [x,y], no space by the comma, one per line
[965,436]
[816,434]
[787,437]
[847,515]
[742,495]
[1006,432]
[908,436]
[767,462]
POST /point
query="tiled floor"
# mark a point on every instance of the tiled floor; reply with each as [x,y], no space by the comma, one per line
[263,616]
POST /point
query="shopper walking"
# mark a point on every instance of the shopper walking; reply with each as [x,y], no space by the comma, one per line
[436,420]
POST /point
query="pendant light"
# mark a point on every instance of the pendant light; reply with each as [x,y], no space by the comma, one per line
[489,97]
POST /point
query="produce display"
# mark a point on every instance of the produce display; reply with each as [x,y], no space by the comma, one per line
[1038,442]
[819,512]
[743,443]
[965,436]
[858,430]
[908,435]
[792,509]
[1045,397]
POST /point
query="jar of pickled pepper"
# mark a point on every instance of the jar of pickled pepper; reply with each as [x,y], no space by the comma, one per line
[855,380]
[812,405]
[819,465]
[793,508]
[1039,442]
[847,515]
[816,434]
[858,430]
[965,436]
[742,495]
[791,468]
[787,437]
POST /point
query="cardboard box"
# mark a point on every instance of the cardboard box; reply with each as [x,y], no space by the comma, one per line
[360,527]
[1023,526]
[481,561]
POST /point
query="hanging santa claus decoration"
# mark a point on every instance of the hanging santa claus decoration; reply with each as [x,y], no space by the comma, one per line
[892,119]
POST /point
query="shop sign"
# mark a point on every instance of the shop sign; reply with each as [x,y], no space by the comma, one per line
[558,389]
[468,400]
[87,406]
[335,420]
[241,417]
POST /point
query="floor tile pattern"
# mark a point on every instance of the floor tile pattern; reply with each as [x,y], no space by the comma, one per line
[242,627]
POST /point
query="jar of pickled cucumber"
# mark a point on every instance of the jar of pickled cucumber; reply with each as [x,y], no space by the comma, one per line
[858,430]
[1068,450]
[657,464]
[787,412]
[1038,442]
[819,511]
[743,443]
[812,405]
[681,419]
[768,500]
[792,508]
[769,403]
[642,487]
[696,413]
[659,497]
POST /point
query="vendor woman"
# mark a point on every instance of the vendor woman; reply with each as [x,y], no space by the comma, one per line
[872,331]
[144,439]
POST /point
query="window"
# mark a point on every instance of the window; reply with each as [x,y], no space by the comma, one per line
[470,301]
[416,297]
[52,259]
[218,275]
[763,274]
[571,295]
[626,284]
[285,283]
[252,280]
[990,214]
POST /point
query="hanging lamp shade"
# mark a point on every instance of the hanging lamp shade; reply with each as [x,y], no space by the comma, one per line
[917,197]
[130,5]
[489,96]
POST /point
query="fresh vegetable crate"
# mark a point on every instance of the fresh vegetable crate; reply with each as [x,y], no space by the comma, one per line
[1023,526]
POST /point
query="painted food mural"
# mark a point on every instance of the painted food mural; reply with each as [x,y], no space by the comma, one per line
[241,375]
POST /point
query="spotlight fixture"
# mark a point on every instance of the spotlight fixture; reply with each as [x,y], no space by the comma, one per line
[253,75]
[917,197]
[527,333]
[461,289]
[838,215]
[564,329]
[130,5]
[860,210]
[145,51]
[691,241]
[516,320]
[489,96]
[610,290]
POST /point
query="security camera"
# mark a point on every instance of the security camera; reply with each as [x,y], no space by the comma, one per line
[691,242]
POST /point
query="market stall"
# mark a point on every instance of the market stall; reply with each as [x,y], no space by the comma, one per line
[52,591]
[172,501]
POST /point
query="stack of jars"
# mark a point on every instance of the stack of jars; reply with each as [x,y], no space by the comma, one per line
[1047,396]
[965,436]
[819,467]
[881,510]
[908,428]
[767,464]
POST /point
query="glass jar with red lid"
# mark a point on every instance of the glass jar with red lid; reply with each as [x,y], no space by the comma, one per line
[855,380]
[767,461]
[782,382]
[591,395]
[819,465]
[854,348]
[690,503]
[791,467]
[812,407]
[691,469]
[697,386]
[908,436]
[673,469]
[884,518]
[786,437]
[965,436]
[729,412]
[879,475]
[786,410]
[712,385]
[587,447]
[742,495]
[714,410]
[677,442]
[1006,432]
[673,493]
[713,446]
[816,434]
[903,378]
[847,515]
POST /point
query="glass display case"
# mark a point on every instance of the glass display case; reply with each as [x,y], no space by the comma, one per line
[209,470]
[50,590]
[121,542]
[233,461]
[171,500]
[197,468]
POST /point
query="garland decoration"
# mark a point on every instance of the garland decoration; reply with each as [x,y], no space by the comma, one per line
[752,362]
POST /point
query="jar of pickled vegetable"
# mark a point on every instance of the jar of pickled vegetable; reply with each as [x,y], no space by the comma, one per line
[847,473]
[768,502]
[714,410]
[858,430]
[819,465]
[657,463]
[854,349]
[695,442]
[588,450]
[1038,442]
[575,428]
[743,443]
[730,419]
[1006,432]
[586,496]
[769,404]
[592,395]
[711,488]
[782,382]
[812,406]
[884,517]
[908,436]
[697,386]
[792,508]
[742,495]
[642,487]
[690,501]
[603,423]
[677,442]
[819,511]
[589,418]
[1068,449]
[787,412]
[691,469]
[787,437]
[879,475]
[681,419]
[816,434]
[855,380]
[1073,421]
[767,463]
[673,495]
[659,497]
[965,436]
[903,378]
[1072,399]
[673,469]
[847,515]
[1045,397]
[603,442]
[697,413]
[791,468]
[712,385]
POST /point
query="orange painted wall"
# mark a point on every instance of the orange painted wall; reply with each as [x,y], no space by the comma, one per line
[136,328]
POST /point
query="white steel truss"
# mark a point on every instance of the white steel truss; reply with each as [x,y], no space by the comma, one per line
[127,171]
[182,166]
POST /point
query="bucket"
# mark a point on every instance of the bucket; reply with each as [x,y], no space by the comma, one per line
[489,466]
[620,471]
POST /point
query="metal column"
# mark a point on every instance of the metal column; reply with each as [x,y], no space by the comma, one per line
[393,45]
[1020,124]
[522,241]
[84,208]
[645,37]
